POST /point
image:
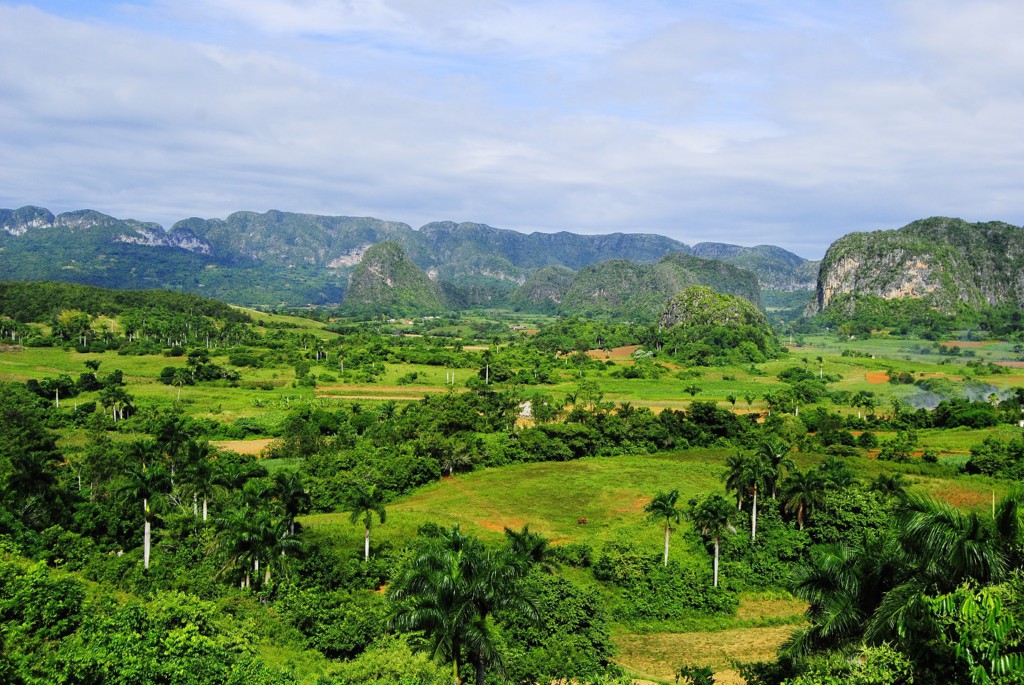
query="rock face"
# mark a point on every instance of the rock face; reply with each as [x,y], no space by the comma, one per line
[949,262]
[19,222]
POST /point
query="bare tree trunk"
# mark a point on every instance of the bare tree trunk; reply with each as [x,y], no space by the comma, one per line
[665,561]
[366,544]
[204,509]
[145,534]
[716,562]
[753,518]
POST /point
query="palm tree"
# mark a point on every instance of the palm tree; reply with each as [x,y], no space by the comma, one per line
[533,547]
[951,546]
[776,453]
[145,481]
[735,477]
[291,493]
[892,485]
[802,493]
[843,587]
[365,501]
[663,506]
[713,517]
[199,475]
[254,539]
[758,474]
[451,589]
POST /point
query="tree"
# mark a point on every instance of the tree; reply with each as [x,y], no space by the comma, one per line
[531,546]
[199,475]
[891,485]
[776,453]
[713,517]
[252,539]
[365,501]
[290,491]
[663,506]
[735,477]
[450,590]
[145,481]
[802,493]
[758,473]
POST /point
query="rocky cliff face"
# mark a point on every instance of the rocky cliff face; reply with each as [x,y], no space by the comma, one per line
[32,220]
[949,262]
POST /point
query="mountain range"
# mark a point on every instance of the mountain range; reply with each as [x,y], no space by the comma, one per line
[366,264]
[281,258]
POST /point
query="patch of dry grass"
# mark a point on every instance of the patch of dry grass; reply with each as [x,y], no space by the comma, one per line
[657,656]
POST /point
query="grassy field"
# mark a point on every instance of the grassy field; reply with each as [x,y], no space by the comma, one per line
[594,501]
[610,494]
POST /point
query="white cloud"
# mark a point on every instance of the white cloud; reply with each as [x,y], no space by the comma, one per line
[743,122]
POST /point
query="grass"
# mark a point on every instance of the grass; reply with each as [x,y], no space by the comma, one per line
[655,658]
[551,497]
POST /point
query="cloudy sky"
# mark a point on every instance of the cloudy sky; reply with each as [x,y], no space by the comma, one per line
[746,122]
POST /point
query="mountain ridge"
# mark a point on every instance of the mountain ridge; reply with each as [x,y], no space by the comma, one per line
[296,259]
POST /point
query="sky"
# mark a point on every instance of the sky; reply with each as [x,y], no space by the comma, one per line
[747,122]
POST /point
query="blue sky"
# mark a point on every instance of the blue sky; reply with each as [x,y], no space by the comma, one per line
[744,122]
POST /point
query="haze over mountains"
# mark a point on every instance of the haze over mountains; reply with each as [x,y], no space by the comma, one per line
[280,258]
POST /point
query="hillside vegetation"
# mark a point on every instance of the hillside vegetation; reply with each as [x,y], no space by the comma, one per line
[198,494]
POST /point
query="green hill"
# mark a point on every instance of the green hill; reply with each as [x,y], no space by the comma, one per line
[624,289]
[386,280]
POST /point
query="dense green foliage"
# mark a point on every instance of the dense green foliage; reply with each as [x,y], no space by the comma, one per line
[125,536]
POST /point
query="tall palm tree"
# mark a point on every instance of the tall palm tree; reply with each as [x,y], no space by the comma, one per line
[254,541]
[145,481]
[451,589]
[735,477]
[290,491]
[776,453]
[199,475]
[802,493]
[713,517]
[758,474]
[663,506]
[364,501]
